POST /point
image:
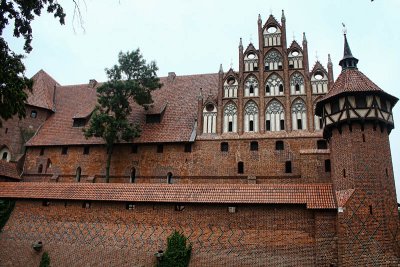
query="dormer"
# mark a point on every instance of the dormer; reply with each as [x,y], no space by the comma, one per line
[155,113]
[319,79]
[295,56]
[251,58]
[272,32]
[230,84]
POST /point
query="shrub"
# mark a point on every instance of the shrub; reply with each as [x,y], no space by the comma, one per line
[6,207]
[178,252]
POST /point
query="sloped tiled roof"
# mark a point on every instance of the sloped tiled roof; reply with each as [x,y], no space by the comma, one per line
[42,91]
[342,196]
[9,170]
[77,101]
[315,196]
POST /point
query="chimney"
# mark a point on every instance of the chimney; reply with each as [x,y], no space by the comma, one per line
[171,76]
[92,83]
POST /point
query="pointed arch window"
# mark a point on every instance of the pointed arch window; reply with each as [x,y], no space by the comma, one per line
[230,118]
[274,85]
[297,84]
[230,87]
[319,82]
[251,61]
[295,59]
[251,86]
[5,153]
[251,117]
[275,117]
[210,118]
[299,115]
[273,61]
[78,174]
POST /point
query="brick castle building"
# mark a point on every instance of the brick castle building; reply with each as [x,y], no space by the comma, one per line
[275,164]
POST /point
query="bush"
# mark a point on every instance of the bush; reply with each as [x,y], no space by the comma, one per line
[6,207]
[177,253]
[45,262]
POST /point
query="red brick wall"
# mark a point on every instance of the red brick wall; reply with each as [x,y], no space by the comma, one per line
[206,163]
[108,234]
[369,225]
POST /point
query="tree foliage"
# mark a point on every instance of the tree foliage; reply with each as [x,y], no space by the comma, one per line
[45,261]
[132,79]
[13,83]
[178,252]
[6,207]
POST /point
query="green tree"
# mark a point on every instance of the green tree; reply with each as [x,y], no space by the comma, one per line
[45,261]
[6,207]
[132,79]
[178,252]
[13,83]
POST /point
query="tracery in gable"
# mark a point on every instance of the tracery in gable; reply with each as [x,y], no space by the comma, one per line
[274,116]
[297,86]
[251,86]
[273,60]
[210,118]
[274,85]
[272,35]
[230,118]
[299,115]
[319,82]
[230,87]
[251,117]
[251,61]
[295,59]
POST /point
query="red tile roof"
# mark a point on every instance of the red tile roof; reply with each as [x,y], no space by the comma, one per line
[43,91]
[315,196]
[342,196]
[9,170]
[179,95]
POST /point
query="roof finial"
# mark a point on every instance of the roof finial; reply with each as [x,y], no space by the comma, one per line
[329,59]
[344,29]
[304,37]
[240,42]
[270,11]
[283,16]
[220,68]
[231,63]
[316,55]
[348,61]
[294,37]
[251,38]
[259,18]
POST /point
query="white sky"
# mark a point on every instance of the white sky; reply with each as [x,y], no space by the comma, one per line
[193,37]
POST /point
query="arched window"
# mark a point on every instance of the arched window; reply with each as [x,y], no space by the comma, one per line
[273,61]
[251,117]
[40,168]
[210,118]
[5,153]
[274,85]
[274,117]
[230,118]
[132,176]
[169,178]
[297,84]
[251,86]
[78,174]
[299,115]
[230,87]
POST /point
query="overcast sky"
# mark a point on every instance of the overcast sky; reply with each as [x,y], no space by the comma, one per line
[192,37]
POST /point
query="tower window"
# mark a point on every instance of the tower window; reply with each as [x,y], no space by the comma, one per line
[335,107]
[169,178]
[253,146]
[327,165]
[224,147]
[361,102]
[268,125]
[86,150]
[188,147]
[160,148]
[64,150]
[240,167]
[251,126]
[279,145]
[288,166]
[134,149]
[321,144]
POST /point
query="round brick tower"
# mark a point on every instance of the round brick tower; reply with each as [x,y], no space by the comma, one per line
[357,117]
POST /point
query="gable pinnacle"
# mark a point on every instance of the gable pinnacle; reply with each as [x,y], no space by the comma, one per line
[240,43]
[304,38]
[220,68]
[259,18]
[329,59]
[283,18]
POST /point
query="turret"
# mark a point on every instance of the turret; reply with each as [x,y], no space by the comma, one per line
[357,117]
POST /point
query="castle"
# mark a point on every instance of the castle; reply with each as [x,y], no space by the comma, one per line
[276,164]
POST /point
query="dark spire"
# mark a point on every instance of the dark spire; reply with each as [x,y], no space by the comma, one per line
[348,61]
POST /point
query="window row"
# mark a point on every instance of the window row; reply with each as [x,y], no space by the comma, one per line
[274,117]
[274,86]
[279,145]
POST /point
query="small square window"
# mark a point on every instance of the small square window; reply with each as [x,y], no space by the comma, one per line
[224,147]
[327,165]
[160,148]
[240,167]
[232,209]
[188,147]
[41,151]
[86,205]
[64,150]
[179,207]
[130,206]
[86,150]
[279,145]
[254,146]
[134,149]
[322,144]
[288,167]
[46,203]
[33,114]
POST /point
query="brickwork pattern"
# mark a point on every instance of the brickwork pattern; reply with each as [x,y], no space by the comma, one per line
[107,234]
